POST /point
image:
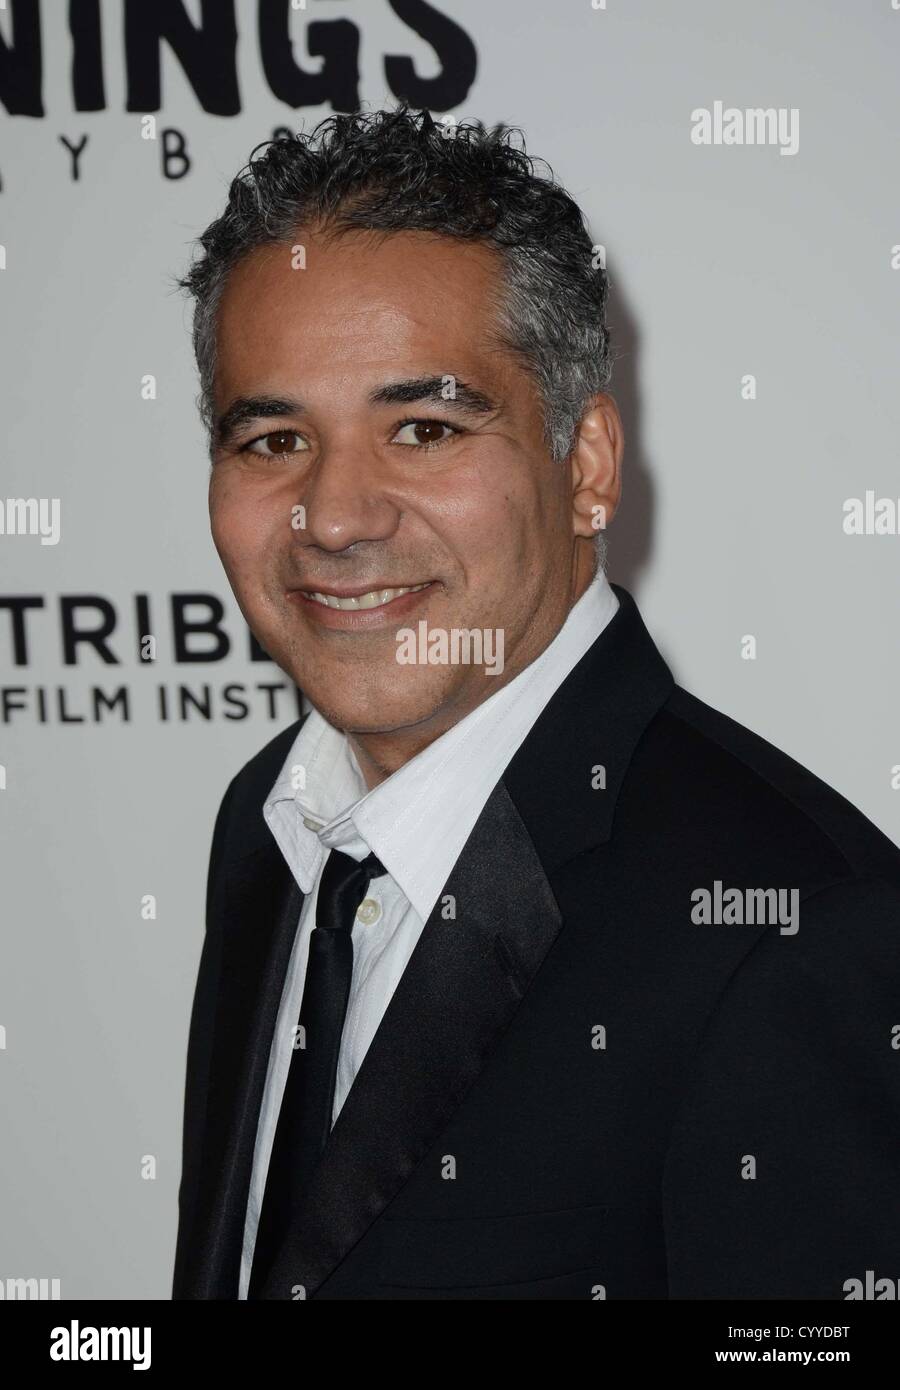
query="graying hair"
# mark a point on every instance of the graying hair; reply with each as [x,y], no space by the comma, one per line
[391,171]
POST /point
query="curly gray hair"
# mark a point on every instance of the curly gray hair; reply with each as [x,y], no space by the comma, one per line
[398,170]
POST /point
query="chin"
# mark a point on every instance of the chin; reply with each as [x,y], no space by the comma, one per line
[377,714]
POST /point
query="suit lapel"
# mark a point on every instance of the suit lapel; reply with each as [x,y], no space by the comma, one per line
[462,985]
[566,776]
[262,906]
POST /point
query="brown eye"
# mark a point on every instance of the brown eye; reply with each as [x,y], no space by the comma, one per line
[277,443]
[425,434]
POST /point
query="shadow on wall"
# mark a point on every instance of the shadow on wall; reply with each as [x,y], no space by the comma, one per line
[631,533]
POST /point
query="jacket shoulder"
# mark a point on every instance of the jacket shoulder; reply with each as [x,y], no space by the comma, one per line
[730,784]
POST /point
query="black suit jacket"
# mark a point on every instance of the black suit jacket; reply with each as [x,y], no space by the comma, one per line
[577,1091]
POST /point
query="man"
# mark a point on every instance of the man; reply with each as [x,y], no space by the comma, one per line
[526,974]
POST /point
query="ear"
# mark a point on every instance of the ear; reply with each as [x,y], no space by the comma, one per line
[596,464]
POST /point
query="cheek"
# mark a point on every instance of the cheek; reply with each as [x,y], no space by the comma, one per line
[229,534]
[240,527]
[488,511]
[496,530]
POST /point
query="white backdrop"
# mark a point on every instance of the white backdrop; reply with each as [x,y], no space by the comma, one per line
[726,261]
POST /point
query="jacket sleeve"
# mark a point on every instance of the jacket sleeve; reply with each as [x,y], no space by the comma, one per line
[783,1171]
[200,1045]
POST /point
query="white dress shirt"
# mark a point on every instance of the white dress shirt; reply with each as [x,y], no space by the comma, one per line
[416,822]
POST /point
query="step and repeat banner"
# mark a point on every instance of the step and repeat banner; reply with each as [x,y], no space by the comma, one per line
[737,165]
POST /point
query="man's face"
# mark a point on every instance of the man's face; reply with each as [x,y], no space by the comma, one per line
[482,518]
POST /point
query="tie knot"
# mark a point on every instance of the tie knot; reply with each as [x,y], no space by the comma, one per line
[343,887]
[372,867]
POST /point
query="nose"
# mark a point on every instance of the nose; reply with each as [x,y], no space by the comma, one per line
[345,499]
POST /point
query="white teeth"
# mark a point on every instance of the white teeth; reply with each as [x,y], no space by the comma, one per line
[373,599]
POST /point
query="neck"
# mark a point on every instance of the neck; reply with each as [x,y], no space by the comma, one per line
[379,755]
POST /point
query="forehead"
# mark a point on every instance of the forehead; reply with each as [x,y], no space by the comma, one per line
[364,303]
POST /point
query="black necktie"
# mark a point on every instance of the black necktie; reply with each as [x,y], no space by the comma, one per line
[304,1121]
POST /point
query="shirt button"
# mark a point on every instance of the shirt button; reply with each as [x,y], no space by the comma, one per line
[368,912]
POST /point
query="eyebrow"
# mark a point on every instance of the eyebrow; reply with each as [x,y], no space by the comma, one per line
[466,398]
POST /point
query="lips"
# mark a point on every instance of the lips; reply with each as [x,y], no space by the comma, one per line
[353,600]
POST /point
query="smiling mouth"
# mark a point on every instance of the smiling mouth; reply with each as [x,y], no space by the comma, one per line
[372,598]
